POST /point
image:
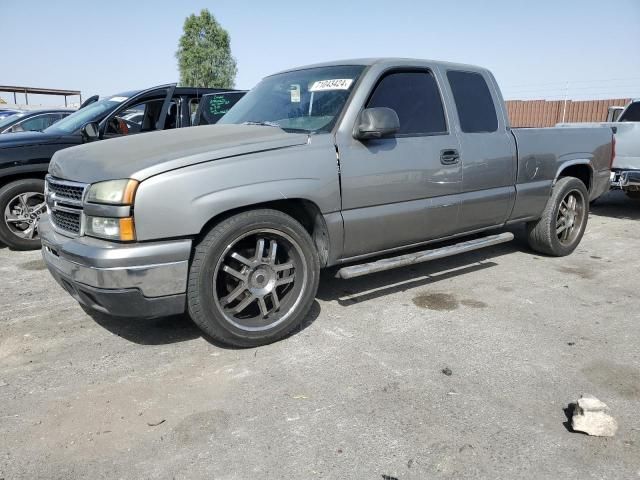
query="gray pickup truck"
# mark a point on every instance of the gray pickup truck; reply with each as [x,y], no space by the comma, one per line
[625,169]
[326,165]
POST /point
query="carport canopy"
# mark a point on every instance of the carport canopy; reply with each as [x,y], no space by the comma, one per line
[39,91]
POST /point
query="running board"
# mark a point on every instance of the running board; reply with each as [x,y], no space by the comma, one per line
[423,256]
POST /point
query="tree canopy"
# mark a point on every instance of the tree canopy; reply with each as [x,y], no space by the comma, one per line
[204,53]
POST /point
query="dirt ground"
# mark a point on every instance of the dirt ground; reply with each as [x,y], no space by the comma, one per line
[358,393]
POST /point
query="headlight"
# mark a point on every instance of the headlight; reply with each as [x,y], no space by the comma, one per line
[122,229]
[114,192]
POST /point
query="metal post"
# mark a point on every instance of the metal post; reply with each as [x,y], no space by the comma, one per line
[15,99]
[26,97]
[566,94]
[65,100]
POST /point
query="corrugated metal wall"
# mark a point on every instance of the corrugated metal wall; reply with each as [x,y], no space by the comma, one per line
[544,113]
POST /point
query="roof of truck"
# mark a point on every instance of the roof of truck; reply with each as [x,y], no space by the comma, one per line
[390,61]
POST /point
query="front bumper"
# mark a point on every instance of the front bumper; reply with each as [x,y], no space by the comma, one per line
[131,280]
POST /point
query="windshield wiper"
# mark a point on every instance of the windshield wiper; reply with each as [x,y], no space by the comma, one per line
[264,124]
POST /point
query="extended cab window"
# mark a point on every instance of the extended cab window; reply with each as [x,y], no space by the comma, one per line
[415,98]
[476,110]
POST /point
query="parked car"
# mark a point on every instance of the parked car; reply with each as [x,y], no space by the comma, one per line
[625,170]
[328,165]
[24,157]
[33,120]
[7,112]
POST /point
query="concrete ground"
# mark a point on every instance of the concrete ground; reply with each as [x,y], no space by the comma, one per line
[358,393]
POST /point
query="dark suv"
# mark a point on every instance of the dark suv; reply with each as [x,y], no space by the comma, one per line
[25,156]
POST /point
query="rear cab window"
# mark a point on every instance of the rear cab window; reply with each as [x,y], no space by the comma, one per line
[474,103]
[631,114]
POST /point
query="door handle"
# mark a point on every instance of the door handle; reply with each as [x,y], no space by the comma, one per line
[449,157]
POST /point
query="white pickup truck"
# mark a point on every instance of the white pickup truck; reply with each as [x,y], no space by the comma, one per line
[625,170]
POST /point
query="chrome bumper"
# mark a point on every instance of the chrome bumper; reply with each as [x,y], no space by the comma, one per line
[97,272]
[626,179]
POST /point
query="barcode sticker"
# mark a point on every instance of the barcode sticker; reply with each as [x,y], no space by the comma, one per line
[334,84]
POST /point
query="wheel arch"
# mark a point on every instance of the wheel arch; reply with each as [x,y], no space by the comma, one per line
[305,211]
[36,175]
[578,168]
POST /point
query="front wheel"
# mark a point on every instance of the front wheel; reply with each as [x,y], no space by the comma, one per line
[253,278]
[563,221]
[21,204]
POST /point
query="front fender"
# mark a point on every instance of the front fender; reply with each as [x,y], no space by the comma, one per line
[181,202]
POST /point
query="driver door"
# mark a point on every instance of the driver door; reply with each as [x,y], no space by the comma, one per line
[144,112]
[400,190]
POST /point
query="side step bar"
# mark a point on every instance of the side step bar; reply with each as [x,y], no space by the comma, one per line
[423,256]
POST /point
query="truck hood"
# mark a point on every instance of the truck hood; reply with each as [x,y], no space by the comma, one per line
[627,142]
[145,155]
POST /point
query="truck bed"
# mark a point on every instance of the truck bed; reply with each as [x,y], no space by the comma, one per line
[543,151]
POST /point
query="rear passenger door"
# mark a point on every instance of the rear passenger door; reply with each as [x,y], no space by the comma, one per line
[396,191]
[487,151]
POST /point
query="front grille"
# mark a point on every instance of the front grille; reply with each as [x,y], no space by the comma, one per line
[64,202]
[66,221]
[66,190]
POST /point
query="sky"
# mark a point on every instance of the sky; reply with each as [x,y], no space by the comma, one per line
[582,49]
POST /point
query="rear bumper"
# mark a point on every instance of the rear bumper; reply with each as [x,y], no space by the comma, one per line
[625,179]
[130,280]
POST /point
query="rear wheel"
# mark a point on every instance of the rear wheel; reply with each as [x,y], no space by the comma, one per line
[21,204]
[253,278]
[563,221]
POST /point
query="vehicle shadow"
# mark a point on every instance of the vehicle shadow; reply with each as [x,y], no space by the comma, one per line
[180,328]
[376,285]
[615,204]
[172,329]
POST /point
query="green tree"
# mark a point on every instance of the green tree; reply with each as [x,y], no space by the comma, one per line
[204,53]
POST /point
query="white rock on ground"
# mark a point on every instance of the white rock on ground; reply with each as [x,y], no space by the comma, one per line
[591,416]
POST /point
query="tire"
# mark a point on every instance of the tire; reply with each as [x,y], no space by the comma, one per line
[244,292]
[547,235]
[633,194]
[15,234]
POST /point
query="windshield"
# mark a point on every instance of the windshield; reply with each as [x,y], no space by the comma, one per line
[308,100]
[91,113]
[631,114]
[10,119]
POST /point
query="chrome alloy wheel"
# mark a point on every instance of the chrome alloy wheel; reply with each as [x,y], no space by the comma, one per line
[22,214]
[259,279]
[570,217]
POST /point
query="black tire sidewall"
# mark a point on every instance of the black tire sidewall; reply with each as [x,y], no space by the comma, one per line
[201,304]
[8,192]
[566,185]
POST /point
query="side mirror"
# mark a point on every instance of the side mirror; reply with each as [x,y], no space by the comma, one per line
[376,122]
[91,131]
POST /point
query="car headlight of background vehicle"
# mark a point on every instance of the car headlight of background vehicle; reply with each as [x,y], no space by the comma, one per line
[110,223]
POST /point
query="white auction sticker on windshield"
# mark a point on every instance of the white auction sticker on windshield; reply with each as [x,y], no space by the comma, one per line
[334,84]
[118,99]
